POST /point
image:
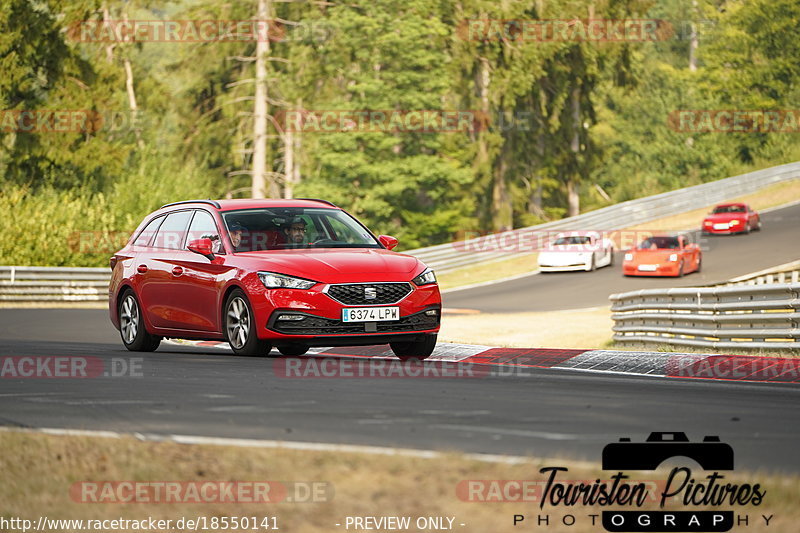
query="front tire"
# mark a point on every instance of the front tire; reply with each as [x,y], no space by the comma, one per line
[131,326]
[240,327]
[293,350]
[414,350]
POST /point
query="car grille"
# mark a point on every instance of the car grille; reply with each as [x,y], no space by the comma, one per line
[356,293]
[317,325]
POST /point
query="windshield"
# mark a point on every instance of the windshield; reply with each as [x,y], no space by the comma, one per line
[292,227]
[729,209]
[654,243]
[572,240]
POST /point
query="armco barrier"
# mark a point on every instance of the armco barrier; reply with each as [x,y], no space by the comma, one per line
[53,284]
[451,256]
[743,316]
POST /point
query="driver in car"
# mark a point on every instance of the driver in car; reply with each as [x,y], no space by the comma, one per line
[296,231]
[236,231]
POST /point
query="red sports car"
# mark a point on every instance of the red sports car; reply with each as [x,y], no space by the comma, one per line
[731,218]
[261,273]
[663,256]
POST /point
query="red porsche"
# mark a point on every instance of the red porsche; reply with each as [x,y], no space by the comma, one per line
[289,274]
[663,256]
[731,218]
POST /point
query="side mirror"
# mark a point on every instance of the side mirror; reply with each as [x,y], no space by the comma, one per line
[387,241]
[202,247]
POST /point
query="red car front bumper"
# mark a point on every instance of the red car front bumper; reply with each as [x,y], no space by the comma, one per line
[671,269]
[420,313]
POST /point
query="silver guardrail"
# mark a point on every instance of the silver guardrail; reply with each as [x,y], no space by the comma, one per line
[53,284]
[455,255]
[744,316]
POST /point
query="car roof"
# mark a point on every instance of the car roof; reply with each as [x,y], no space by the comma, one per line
[737,204]
[250,203]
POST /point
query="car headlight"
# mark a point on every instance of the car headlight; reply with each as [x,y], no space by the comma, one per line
[628,257]
[735,222]
[707,222]
[426,278]
[273,280]
[673,257]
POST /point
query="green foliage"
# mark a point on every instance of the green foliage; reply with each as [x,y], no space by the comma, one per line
[81,227]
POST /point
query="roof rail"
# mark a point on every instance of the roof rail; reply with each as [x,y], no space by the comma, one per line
[318,200]
[209,202]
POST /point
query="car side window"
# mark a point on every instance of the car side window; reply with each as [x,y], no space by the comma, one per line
[172,232]
[203,227]
[144,237]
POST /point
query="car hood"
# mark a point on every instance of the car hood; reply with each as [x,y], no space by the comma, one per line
[564,255]
[335,265]
[661,254]
[725,217]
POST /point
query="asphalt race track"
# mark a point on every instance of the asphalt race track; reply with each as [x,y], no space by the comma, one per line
[555,413]
[724,257]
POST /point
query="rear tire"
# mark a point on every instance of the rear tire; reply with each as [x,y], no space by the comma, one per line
[591,266]
[680,270]
[240,327]
[699,263]
[758,226]
[131,325]
[414,350]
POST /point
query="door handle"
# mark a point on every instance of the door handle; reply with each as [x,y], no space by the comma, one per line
[141,269]
[177,271]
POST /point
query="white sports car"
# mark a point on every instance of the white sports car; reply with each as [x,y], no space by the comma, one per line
[577,250]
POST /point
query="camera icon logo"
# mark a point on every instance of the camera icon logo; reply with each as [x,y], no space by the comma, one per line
[710,454]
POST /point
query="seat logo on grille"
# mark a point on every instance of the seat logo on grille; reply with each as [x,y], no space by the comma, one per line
[370,293]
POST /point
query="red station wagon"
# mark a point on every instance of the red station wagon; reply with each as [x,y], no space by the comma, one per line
[258,274]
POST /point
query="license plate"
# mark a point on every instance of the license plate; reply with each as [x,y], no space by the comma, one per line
[721,226]
[647,268]
[370,314]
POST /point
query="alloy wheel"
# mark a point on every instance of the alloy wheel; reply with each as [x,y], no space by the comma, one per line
[129,319]
[238,322]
